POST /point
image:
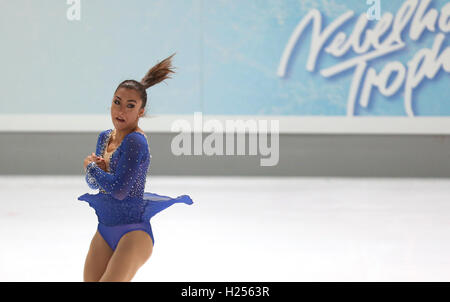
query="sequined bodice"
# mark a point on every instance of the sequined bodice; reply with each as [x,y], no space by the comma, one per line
[128,165]
[107,157]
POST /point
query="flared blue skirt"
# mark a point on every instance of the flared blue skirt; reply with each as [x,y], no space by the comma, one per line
[111,211]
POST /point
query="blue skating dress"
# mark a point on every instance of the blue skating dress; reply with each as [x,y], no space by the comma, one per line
[121,204]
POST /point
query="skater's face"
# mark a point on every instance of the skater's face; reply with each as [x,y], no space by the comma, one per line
[126,108]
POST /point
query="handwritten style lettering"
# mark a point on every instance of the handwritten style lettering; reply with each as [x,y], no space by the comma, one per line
[367,44]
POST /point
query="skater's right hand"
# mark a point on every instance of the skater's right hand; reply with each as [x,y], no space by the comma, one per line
[100,161]
[94,158]
[88,160]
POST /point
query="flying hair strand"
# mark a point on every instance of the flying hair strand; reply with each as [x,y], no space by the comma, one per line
[158,73]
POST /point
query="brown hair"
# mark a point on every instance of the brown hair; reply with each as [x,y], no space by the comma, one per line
[156,74]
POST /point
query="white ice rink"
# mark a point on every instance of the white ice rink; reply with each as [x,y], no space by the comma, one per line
[241,229]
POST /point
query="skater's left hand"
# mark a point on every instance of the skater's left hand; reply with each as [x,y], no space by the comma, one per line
[100,161]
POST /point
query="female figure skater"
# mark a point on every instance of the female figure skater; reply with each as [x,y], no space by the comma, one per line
[124,240]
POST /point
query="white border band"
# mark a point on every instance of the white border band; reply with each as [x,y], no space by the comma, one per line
[287,124]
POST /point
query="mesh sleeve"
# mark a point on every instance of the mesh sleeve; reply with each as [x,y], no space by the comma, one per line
[90,180]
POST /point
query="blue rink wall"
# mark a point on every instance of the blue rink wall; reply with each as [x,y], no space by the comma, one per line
[228,53]
[62,62]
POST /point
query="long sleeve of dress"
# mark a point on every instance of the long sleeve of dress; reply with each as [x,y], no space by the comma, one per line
[89,178]
[119,183]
